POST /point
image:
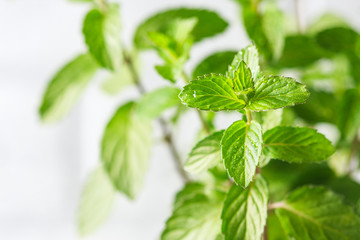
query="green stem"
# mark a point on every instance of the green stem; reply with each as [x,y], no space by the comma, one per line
[166,133]
[248,115]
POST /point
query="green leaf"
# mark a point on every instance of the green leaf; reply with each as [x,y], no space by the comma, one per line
[206,154]
[96,202]
[299,51]
[245,211]
[241,149]
[125,149]
[168,72]
[66,87]
[118,80]
[196,216]
[102,36]
[295,144]
[211,92]
[242,78]
[215,63]
[189,191]
[348,114]
[271,119]
[153,104]
[315,111]
[272,92]
[209,24]
[250,56]
[311,213]
[326,21]
[338,39]
[273,24]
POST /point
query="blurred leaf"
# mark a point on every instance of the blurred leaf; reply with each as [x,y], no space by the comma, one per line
[337,39]
[326,21]
[245,211]
[315,110]
[273,23]
[349,114]
[153,104]
[206,154]
[102,36]
[296,144]
[271,119]
[118,80]
[125,149]
[299,51]
[168,72]
[195,216]
[272,92]
[241,147]
[317,213]
[66,87]
[96,201]
[215,63]
[274,228]
[209,24]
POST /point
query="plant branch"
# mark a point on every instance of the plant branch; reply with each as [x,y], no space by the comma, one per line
[248,115]
[166,133]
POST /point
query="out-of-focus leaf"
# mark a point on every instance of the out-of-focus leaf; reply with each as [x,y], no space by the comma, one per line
[215,63]
[326,21]
[118,80]
[66,87]
[273,23]
[349,114]
[320,107]
[96,202]
[102,36]
[299,51]
[209,24]
[153,104]
[337,39]
[125,149]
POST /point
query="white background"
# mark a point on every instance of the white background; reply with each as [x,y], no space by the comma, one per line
[43,168]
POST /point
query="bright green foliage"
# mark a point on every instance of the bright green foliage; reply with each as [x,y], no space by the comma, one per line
[240,150]
[311,213]
[173,47]
[294,144]
[326,21]
[245,210]
[195,216]
[338,39]
[102,36]
[66,87]
[215,63]
[125,149]
[273,24]
[273,92]
[348,114]
[118,80]
[153,104]
[209,24]
[96,201]
[242,78]
[314,110]
[250,56]
[211,92]
[299,51]
[206,154]
[271,119]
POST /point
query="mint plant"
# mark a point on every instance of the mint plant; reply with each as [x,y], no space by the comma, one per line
[270,174]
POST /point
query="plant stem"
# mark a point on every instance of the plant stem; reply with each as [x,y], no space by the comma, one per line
[166,133]
[265,235]
[204,123]
[248,115]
